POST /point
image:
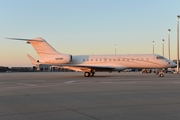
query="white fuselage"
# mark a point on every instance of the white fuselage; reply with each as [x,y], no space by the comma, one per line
[119,62]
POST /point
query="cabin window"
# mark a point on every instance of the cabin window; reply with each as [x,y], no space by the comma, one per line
[160,57]
[58,58]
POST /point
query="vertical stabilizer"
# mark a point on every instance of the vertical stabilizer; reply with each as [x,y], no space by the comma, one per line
[47,54]
[42,48]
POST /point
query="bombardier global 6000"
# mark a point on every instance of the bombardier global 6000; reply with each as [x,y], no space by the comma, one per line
[89,64]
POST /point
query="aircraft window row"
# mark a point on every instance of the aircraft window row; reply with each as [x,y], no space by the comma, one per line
[122,59]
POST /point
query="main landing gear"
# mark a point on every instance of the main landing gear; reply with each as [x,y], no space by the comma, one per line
[89,74]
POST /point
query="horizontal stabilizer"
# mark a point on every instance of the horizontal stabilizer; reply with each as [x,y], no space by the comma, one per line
[38,39]
[33,61]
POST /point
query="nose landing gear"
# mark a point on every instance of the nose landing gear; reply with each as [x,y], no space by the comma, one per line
[160,73]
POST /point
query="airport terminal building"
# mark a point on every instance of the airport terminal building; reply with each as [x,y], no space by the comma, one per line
[40,68]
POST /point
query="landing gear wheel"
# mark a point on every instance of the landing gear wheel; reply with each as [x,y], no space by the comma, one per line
[161,75]
[86,74]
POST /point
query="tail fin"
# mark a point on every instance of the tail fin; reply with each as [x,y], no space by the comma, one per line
[33,61]
[47,54]
[42,48]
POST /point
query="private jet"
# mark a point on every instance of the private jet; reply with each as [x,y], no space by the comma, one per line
[89,64]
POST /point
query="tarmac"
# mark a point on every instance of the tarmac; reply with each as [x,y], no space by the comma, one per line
[106,96]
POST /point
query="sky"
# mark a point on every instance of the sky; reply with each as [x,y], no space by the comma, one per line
[80,27]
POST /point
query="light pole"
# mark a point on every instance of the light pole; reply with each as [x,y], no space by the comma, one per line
[163,47]
[153,47]
[169,30]
[115,49]
[178,43]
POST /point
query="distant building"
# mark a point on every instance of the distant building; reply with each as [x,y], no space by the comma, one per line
[3,69]
[37,68]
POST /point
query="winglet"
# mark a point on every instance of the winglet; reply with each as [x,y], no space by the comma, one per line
[33,61]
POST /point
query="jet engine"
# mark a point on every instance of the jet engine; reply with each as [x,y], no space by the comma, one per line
[64,59]
[58,59]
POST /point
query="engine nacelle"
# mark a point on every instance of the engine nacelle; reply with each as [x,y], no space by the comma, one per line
[59,59]
[64,59]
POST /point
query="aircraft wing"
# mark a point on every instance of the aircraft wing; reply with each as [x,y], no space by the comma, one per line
[88,68]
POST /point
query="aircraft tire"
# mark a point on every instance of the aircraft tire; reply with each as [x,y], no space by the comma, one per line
[86,74]
[161,75]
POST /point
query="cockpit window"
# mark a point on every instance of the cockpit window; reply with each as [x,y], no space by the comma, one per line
[160,57]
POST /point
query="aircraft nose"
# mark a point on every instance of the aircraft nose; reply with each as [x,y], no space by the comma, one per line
[172,64]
